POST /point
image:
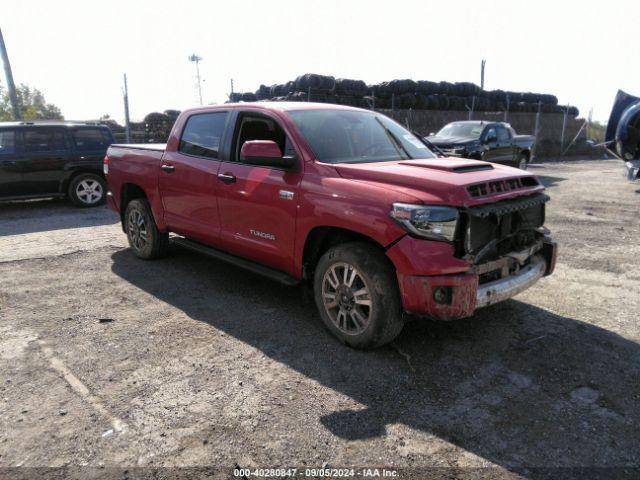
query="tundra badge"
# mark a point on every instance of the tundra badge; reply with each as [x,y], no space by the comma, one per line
[266,236]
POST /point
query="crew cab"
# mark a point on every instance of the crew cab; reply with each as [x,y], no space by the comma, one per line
[53,159]
[343,199]
[489,141]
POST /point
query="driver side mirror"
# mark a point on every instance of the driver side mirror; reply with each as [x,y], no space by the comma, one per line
[265,153]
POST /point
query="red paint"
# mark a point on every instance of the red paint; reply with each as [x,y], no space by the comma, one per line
[250,216]
[260,149]
[417,295]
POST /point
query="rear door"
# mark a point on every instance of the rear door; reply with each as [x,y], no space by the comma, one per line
[258,203]
[46,150]
[89,147]
[10,176]
[188,183]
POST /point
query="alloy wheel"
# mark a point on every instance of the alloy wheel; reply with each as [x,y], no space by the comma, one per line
[137,229]
[346,298]
[89,191]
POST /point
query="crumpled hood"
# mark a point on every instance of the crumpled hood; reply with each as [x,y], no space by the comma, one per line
[441,181]
[440,140]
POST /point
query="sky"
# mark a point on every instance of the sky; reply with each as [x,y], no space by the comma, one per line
[76,52]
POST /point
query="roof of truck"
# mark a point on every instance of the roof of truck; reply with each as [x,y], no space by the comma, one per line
[285,106]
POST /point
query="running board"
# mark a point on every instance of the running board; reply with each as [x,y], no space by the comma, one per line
[254,267]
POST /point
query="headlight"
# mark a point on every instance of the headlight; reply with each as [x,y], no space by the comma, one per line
[425,221]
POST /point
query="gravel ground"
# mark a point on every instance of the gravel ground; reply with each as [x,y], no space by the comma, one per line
[109,361]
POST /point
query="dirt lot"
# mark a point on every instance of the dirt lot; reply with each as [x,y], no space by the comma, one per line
[106,360]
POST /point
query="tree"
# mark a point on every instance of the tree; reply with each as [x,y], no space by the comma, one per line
[32,103]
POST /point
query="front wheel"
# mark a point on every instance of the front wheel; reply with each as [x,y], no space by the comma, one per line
[523,162]
[357,294]
[146,241]
[87,190]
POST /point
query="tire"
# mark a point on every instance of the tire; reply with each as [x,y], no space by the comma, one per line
[146,241]
[87,190]
[361,306]
[523,161]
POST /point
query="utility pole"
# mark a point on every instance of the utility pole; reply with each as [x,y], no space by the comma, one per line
[196,59]
[11,87]
[231,95]
[127,123]
[506,112]
[564,127]
[482,74]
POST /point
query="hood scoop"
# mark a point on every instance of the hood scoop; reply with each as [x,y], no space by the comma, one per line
[450,165]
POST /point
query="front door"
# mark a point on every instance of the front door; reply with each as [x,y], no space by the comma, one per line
[188,182]
[489,141]
[10,176]
[505,146]
[258,203]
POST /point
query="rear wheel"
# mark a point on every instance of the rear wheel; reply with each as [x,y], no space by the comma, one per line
[146,241]
[356,292]
[87,190]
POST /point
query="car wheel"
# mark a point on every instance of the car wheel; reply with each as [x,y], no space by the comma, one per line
[87,190]
[356,292]
[146,241]
[523,162]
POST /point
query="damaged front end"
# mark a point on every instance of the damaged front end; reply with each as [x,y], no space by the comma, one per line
[623,133]
[507,245]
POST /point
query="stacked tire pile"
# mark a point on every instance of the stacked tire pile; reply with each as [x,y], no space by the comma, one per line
[403,94]
[157,126]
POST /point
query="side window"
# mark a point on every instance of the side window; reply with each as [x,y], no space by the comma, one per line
[7,141]
[258,127]
[202,134]
[90,139]
[41,140]
[491,132]
[503,134]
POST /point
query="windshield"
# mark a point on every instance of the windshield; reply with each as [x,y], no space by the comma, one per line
[344,136]
[461,130]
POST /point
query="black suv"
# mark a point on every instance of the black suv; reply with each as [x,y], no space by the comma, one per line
[53,159]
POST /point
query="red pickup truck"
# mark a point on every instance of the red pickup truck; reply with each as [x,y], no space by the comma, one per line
[343,199]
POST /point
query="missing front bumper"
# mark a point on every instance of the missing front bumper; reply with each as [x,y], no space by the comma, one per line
[505,288]
[466,293]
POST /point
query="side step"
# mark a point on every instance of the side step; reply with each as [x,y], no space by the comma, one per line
[254,267]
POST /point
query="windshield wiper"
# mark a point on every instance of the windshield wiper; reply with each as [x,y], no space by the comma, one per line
[429,145]
[393,138]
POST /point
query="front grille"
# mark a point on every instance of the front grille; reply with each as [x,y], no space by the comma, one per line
[501,186]
[491,231]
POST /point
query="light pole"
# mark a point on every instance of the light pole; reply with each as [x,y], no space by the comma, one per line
[13,98]
[196,59]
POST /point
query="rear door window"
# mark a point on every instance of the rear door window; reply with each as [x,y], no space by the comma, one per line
[503,134]
[202,134]
[91,139]
[41,140]
[7,141]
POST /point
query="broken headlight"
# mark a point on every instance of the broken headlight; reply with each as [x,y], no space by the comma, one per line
[427,221]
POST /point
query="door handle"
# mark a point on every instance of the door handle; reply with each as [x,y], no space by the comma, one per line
[168,168]
[226,177]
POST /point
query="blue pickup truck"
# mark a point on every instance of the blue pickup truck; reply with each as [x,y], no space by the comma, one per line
[623,133]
